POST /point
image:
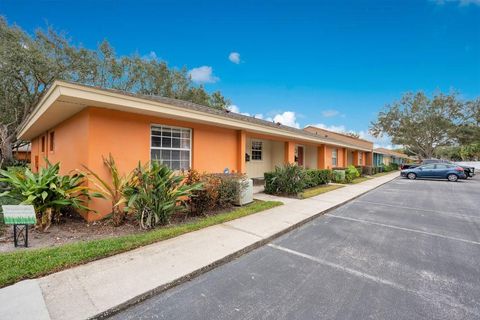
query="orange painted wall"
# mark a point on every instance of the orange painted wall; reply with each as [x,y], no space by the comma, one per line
[340,157]
[95,132]
[70,144]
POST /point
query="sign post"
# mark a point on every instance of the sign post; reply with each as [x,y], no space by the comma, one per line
[20,216]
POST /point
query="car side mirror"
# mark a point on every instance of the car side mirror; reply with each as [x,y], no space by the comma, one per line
[420,169]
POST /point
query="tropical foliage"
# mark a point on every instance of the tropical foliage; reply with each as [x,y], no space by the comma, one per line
[114,191]
[47,191]
[156,193]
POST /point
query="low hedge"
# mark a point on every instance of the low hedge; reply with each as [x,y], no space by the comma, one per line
[351,173]
[292,179]
[367,170]
[338,175]
[315,177]
[288,180]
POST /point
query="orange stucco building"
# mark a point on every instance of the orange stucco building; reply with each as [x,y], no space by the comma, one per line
[77,125]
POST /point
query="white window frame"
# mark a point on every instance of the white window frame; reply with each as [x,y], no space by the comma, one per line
[261,150]
[335,150]
[360,157]
[157,125]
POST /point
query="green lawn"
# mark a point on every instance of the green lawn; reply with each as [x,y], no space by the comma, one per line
[315,191]
[19,265]
[360,179]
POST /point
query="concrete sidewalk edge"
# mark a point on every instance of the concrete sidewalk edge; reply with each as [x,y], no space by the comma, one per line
[225,259]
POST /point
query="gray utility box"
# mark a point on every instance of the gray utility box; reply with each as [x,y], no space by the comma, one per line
[245,195]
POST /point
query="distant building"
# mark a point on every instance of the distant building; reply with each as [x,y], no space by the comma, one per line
[382,156]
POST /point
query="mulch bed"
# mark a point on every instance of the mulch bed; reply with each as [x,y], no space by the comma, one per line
[73,228]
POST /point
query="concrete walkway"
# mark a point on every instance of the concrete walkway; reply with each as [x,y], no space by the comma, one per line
[104,286]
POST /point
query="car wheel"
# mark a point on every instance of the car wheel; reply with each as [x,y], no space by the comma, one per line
[452,177]
[412,176]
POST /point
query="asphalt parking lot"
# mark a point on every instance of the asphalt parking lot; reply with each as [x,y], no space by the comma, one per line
[407,250]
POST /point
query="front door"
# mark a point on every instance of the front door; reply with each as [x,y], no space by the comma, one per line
[350,158]
[300,156]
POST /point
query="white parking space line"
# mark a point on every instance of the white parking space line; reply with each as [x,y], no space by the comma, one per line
[419,209]
[434,297]
[339,267]
[404,229]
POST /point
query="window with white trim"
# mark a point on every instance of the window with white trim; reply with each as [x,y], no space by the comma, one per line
[171,146]
[360,157]
[257,149]
[334,157]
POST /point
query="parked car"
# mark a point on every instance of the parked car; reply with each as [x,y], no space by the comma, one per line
[435,171]
[469,171]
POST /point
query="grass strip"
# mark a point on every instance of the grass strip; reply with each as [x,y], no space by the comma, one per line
[315,191]
[360,180]
[382,174]
[25,264]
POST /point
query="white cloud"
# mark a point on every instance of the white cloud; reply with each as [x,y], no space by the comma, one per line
[287,118]
[340,128]
[380,142]
[461,3]
[234,57]
[235,109]
[152,55]
[203,74]
[330,113]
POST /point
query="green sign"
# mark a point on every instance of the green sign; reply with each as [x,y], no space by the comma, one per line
[19,214]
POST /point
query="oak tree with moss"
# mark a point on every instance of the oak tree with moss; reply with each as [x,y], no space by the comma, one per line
[29,64]
[422,125]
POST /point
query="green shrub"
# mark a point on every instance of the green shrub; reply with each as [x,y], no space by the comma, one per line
[394,166]
[338,176]
[390,167]
[219,191]
[47,191]
[156,193]
[351,173]
[368,170]
[270,185]
[360,170]
[315,177]
[289,180]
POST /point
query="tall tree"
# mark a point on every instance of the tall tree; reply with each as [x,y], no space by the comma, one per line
[420,124]
[30,64]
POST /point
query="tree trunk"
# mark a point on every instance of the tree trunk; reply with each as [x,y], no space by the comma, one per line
[6,141]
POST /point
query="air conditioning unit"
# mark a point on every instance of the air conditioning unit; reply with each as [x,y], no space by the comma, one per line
[245,196]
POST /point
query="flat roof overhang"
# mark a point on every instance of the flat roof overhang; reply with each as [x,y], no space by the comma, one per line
[64,99]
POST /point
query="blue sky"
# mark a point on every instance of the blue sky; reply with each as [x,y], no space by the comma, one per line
[335,63]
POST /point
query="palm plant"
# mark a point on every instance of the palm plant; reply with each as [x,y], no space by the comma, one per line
[47,191]
[113,191]
[156,193]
